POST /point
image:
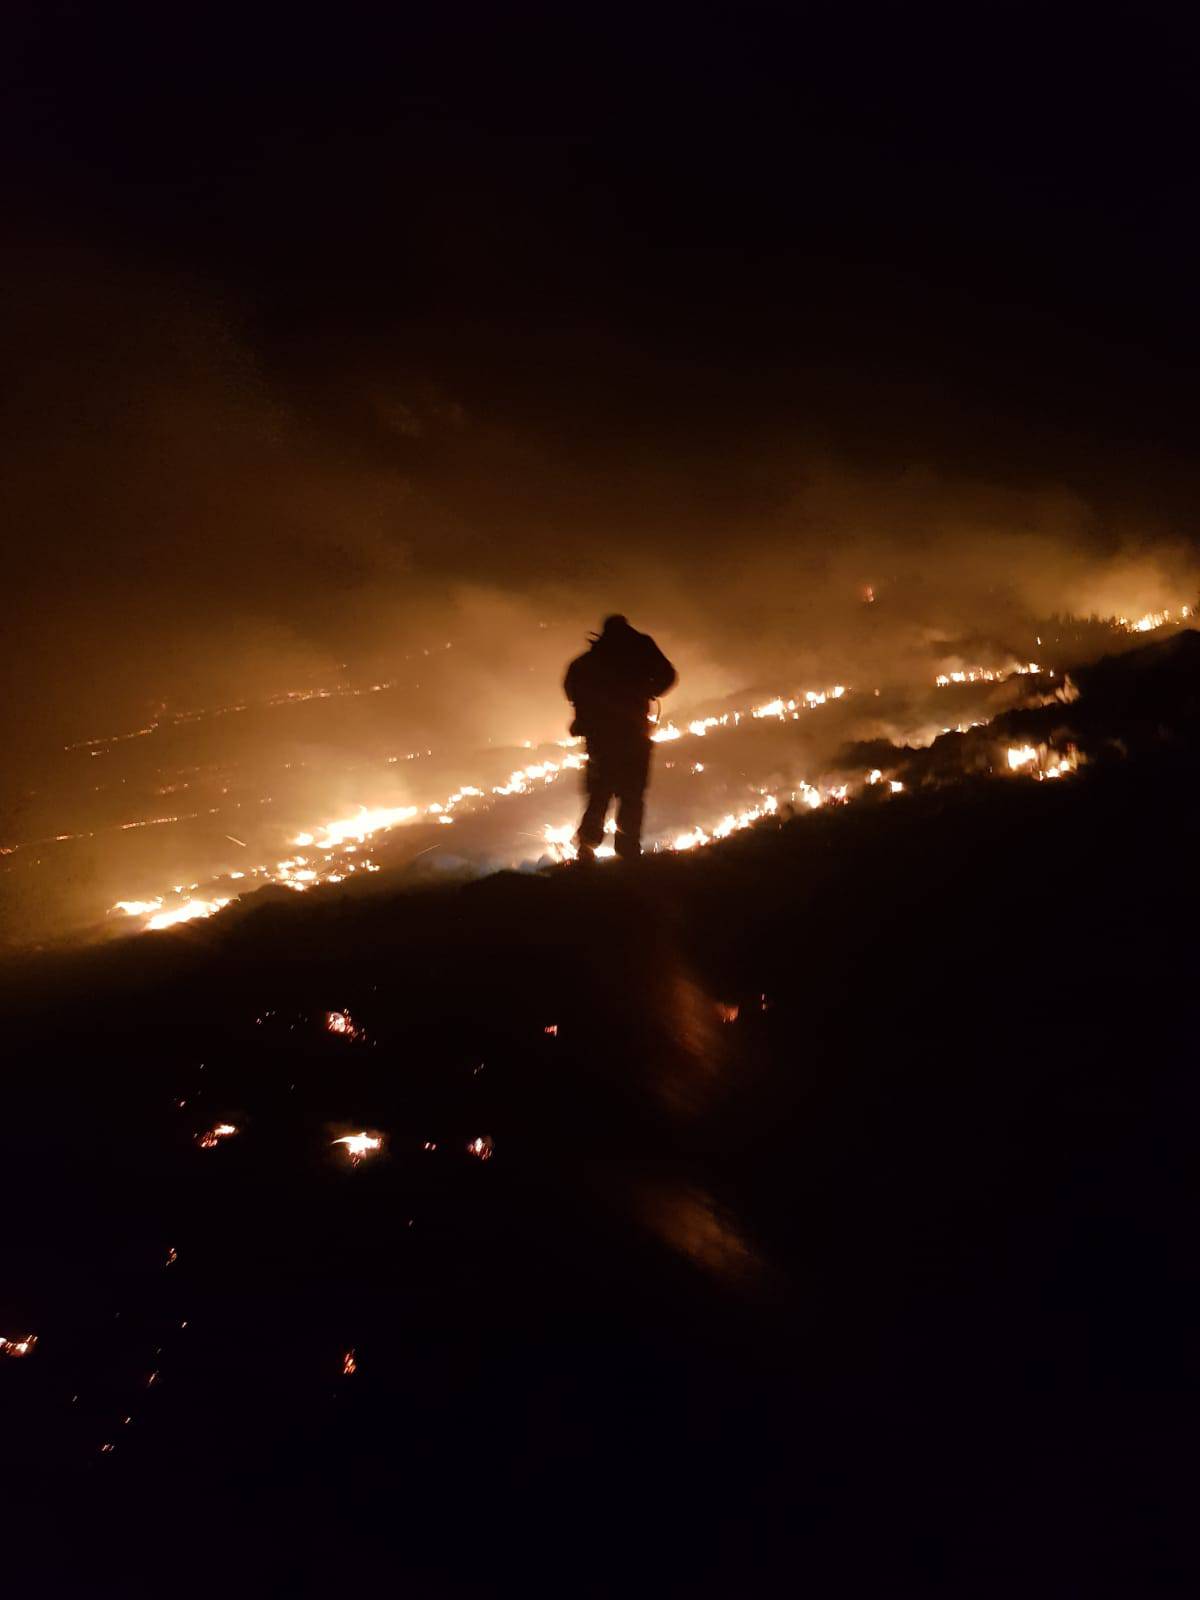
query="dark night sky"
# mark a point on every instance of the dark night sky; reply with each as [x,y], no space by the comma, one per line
[516,295]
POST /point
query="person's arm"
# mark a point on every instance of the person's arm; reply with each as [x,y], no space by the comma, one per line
[662,674]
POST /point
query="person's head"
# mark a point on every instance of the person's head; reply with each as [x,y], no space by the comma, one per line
[614,625]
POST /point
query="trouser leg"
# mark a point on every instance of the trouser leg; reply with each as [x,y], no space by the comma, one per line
[599,793]
[631,801]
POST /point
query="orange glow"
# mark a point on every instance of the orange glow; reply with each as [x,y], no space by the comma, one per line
[343,1024]
[187,912]
[1041,762]
[360,1145]
[987,674]
[334,840]
[358,827]
[1154,620]
[213,1137]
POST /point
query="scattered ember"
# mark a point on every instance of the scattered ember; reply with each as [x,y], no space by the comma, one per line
[210,1140]
[551,1029]
[172,1257]
[343,1024]
[429,1145]
[359,1145]
[482,1148]
[18,1347]
[727,1013]
[349,1364]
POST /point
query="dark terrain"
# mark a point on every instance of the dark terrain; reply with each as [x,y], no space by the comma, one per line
[888,1285]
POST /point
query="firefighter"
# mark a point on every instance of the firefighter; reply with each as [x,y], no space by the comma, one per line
[611,686]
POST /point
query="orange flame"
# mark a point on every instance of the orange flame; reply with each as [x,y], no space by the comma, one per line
[359,1145]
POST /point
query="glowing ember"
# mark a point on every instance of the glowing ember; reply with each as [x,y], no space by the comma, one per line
[732,823]
[1042,762]
[210,1140]
[359,1145]
[482,1148]
[18,1347]
[1153,620]
[343,1024]
[551,1029]
[988,674]
[349,1364]
[187,912]
[728,1013]
[137,908]
[358,827]
[689,841]
[561,841]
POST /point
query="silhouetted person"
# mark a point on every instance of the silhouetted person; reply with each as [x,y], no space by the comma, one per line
[611,686]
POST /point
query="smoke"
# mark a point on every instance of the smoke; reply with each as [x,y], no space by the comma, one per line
[191,525]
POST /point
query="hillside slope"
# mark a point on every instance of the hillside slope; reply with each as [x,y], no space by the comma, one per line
[820,1202]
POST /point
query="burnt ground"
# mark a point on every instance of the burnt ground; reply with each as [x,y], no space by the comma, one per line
[888,1285]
